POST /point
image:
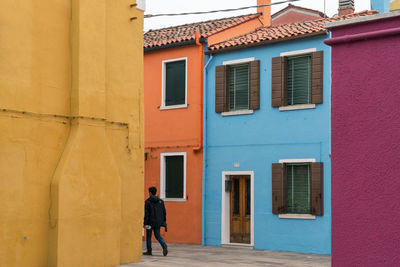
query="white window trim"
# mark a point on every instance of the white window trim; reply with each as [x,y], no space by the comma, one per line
[294,215]
[162,176]
[238,61]
[237,112]
[297,160]
[225,208]
[163,84]
[297,107]
[297,216]
[298,52]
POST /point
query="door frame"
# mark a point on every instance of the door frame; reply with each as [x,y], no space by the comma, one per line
[225,208]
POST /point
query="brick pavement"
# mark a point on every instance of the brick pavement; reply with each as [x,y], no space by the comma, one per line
[193,255]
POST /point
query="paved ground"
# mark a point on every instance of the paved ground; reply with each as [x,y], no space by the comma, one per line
[191,255]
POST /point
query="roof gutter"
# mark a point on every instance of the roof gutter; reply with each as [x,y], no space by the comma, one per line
[363,36]
[173,45]
[266,42]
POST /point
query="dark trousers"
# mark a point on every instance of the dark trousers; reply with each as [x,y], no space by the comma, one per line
[156,234]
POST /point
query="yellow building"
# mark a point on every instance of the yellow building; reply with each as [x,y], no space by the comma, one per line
[71,132]
[394,4]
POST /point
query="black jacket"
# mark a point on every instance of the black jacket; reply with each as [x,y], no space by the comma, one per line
[154,212]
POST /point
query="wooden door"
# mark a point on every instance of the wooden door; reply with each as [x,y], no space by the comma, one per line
[240,210]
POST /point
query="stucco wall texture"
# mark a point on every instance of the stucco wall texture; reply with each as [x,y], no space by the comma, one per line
[293,16]
[175,130]
[255,141]
[71,133]
[365,147]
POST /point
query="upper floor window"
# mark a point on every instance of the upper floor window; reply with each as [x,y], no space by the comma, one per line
[237,86]
[297,79]
[174,83]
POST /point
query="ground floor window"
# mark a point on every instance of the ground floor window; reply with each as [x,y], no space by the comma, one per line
[297,187]
[173,176]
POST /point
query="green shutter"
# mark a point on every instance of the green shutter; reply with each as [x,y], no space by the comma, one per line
[298,188]
[175,83]
[299,80]
[239,87]
[174,176]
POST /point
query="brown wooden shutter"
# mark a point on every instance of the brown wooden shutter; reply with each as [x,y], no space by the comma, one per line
[317,189]
[279,81]
[254,101]
[317,63]
[221,88]
[278,188]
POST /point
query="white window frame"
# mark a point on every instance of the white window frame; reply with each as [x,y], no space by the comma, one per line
[293,215]
[237,62]
[163,84]
[163,176]
[297,53]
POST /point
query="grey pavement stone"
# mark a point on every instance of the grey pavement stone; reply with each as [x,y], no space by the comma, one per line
[194,255]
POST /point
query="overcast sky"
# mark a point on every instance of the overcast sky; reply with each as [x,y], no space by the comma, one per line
[179,6]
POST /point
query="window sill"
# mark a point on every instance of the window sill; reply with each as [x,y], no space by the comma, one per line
[238,112]
[297,216]
[173,107]
[297,107]
[174,199]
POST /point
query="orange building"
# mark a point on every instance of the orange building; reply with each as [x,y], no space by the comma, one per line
[173,95]
[173,68]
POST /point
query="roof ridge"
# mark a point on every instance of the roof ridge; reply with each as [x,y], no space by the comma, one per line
[201,22]
[283,31]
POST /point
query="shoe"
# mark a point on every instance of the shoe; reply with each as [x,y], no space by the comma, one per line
[147,253]
[165,250]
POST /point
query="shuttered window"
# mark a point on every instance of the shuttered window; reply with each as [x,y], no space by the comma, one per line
[299,80]
[298,188]
[175,83]
[239,87]
[174,176]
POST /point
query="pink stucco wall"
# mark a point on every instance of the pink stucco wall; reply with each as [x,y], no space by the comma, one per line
[366,147]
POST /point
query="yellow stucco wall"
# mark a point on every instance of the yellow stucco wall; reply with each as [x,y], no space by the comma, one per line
[394,4]
[71,132]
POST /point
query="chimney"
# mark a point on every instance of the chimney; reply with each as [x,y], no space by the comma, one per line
[346,7]
[266,12]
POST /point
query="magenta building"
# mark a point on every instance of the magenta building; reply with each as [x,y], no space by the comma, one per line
[366,140]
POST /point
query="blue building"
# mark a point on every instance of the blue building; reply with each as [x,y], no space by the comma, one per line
[266,178]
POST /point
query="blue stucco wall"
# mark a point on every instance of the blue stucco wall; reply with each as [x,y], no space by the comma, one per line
[260,139]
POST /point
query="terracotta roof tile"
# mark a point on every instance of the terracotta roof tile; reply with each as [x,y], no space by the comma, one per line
[285,31]
[187,32]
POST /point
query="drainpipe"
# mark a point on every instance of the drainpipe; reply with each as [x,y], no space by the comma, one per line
[201,58]
[203,228]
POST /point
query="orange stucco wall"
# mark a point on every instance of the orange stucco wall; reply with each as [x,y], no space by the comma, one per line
[175,130]
[238,30]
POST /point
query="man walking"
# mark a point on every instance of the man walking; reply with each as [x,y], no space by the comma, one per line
[155,216]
